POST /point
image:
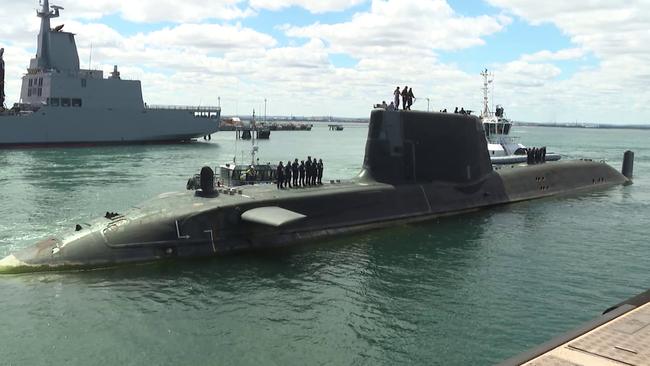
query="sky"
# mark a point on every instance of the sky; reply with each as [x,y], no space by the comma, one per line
[553,61]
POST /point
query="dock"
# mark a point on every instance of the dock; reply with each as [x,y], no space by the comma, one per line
[247,133]
[335,127]
[620,336]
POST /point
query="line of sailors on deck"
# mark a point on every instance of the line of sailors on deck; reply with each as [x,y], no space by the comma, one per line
[303,174]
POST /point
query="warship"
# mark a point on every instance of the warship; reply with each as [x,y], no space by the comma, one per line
[408,175]
[61,104]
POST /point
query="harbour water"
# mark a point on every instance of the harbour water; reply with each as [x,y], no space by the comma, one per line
[465,290]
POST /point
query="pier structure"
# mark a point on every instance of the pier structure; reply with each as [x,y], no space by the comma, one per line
[335,127]
[247,133]
[620,336]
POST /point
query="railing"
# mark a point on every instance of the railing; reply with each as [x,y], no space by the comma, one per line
[184,108]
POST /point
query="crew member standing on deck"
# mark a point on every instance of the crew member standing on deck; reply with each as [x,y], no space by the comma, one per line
[396,94]
[405,98]
[287,174]
[301,170]
[294,172]
[320,171]
[308,170]
[279,175]
[314,171]
[411,98]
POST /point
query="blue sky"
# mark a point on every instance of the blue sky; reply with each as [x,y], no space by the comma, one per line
[587,62]
[518,37]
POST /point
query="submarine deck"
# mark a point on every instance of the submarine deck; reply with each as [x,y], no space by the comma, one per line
[619,337]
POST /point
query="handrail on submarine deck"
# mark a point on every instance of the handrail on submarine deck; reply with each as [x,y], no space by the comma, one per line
[183,108]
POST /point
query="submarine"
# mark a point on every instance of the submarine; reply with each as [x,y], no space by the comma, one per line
[408,175]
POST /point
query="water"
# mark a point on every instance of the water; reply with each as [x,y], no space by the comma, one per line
[472,289]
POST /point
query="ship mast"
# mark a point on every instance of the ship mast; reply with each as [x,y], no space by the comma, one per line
[488,77]
[2,80]
[43,52]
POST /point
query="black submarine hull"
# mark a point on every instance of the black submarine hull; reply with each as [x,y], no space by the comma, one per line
[407,176]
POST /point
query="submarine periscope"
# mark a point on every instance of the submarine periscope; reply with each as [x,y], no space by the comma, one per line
[407,176]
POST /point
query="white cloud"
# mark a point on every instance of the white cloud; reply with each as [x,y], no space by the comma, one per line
[561,55]
[392,43]
[151,11]
[207,37]
[390,27]
[616,34]
[319,6]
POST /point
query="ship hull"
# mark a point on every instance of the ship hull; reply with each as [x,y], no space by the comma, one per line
[392,188]
[80,126]
[184,225]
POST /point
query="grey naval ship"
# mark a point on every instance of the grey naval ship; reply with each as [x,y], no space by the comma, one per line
[408,175]
[63,104]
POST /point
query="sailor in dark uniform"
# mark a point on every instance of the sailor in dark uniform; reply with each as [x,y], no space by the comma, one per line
[280,175]
[287,174]
[311,175]
[320,171]
[301,170]
[294,172]
[308,170]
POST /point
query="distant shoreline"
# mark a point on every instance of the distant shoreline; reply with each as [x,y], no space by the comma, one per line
[584,125]
[306,119]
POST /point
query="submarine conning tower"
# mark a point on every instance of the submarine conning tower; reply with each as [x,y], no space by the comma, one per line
[406,147]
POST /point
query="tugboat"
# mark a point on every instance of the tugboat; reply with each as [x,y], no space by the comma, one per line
[503,148]
[234,175]
[62,104]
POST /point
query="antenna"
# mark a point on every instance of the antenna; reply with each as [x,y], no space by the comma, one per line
[487,80]
[90,57]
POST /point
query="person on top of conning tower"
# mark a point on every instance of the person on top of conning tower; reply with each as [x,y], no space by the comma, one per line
[397,94]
